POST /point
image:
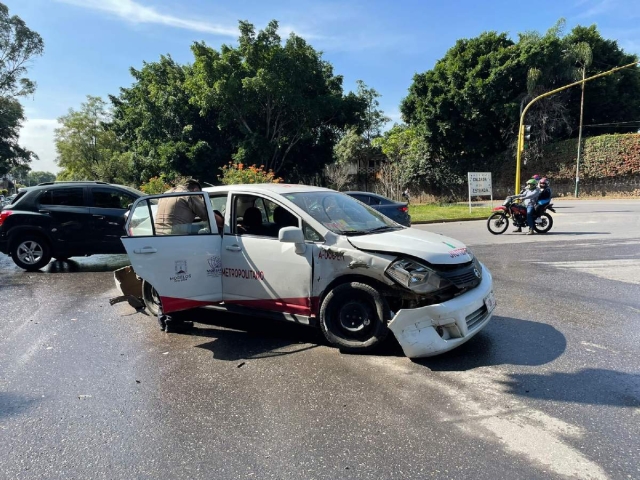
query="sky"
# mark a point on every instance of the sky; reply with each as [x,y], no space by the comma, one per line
[90,45]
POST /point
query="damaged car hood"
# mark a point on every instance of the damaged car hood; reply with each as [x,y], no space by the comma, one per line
[434,248]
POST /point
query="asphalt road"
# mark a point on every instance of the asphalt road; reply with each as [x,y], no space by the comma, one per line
[550,388]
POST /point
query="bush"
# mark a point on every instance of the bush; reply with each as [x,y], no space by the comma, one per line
[236,173]
[154,186]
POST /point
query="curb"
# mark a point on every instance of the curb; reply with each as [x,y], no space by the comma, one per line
[445,220]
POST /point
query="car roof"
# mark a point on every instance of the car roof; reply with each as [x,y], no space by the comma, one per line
[279,188]
[356,192]
[48,185]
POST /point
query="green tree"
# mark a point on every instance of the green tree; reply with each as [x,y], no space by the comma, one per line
[464,106]
[613,99]
[34,178]
[467,107]
[413,166]
[353,148]
[18,44]
[271,97]
[373,118]
[163,130]
[87,148]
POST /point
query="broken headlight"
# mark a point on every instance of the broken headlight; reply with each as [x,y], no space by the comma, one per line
[416,277]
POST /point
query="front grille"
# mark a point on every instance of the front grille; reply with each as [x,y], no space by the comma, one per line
[465,277]
[476,317]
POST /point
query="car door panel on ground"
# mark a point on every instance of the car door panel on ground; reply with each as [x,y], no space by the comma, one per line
[184,268]
[70,217]
[259,271]
[108,217]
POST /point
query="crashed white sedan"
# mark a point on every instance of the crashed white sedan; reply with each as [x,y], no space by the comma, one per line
[313,256]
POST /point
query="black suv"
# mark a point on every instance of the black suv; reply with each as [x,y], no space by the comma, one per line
[64,219]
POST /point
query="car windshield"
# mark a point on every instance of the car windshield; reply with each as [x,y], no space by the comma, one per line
[342,214]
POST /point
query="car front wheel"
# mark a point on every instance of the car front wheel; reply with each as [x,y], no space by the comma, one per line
[31,252]
[354,316]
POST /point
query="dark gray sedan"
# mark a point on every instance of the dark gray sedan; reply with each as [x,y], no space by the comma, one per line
[396,211]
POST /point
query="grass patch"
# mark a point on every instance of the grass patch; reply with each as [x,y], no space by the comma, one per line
[434,211]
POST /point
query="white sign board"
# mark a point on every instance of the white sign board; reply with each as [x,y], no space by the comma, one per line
[480,186]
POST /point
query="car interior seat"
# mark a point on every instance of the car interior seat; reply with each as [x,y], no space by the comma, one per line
[252,221]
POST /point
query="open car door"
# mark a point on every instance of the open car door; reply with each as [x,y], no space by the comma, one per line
[180,260]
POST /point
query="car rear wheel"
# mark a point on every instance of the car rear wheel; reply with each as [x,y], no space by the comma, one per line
[354,316]
[31,252]
[151,298]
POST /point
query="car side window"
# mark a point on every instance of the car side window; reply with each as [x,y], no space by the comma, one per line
[219,203]
[361,198]
[176,215]
[310,233]
[254,215]
[63,197]
[373,200]
[105,198]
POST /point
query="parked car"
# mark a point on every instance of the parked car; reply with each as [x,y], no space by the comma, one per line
[396,211]
[64,219]
[313,256]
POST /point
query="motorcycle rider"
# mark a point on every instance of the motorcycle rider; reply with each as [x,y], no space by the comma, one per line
[545,192]
[530,197]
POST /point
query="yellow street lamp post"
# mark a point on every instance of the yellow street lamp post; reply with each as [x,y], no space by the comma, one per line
[520,146]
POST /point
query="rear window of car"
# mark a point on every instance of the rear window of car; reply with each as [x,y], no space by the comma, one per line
[63,197]
[18,197]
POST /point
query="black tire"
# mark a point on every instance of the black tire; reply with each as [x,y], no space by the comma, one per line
[545,226]
[499,221]
[354,316]
[30,252]
[151,298]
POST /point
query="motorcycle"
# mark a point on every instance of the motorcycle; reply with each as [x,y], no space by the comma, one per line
[498,222]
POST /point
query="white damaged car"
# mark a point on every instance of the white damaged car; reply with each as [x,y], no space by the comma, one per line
[314,256]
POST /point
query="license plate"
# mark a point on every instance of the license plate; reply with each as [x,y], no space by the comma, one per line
[490,302]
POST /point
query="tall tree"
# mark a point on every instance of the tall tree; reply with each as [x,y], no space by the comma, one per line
[276,96]
[373,118]
[163,130]
[467,103]
[18,44]
[87,148]
[613,99]
[468,106]
[34,178]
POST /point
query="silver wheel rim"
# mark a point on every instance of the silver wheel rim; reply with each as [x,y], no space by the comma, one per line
[30,252]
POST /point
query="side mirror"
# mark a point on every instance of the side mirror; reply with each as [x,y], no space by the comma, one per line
[293,235]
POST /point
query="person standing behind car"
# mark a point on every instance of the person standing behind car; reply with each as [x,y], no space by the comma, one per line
[176,214]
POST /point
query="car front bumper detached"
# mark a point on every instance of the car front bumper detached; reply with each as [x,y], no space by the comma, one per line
[435,329]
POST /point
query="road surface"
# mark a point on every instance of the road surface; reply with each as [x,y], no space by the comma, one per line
[550,389]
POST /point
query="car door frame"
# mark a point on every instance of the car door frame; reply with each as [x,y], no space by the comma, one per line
[304,304]
[106,237]
[66,242]
[190,287]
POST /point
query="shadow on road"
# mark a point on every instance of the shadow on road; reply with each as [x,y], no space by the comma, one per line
[99,263]
[14,404]
[238,337]
[505,341]
[575,233]
[612,211]
[591,386]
